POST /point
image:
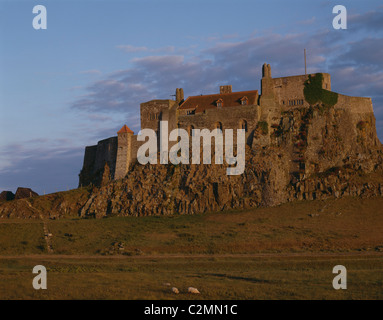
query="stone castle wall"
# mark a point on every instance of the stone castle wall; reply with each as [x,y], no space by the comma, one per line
[354,105]
[212,118]
[289,90]
[152,112]
[105,152]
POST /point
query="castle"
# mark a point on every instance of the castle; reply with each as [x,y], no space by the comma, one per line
[111,158]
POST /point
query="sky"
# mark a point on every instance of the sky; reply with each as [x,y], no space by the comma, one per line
[84,77]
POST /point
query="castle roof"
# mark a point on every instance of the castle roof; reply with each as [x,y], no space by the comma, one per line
[125,129]
[226,100]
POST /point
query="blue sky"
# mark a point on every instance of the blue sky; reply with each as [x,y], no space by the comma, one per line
[84,77]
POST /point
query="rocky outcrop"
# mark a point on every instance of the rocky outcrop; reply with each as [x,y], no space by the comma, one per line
[22,193]
[7,196]
[310,153]
[188,189]
[305,154]
[53,206]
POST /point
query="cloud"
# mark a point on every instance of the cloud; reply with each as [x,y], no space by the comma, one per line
[91,72]
[41,164]
[44,148]
[132,49]
[365,52]
[129,48]
[370,21]
[44,174]
[308,21]
[354,63]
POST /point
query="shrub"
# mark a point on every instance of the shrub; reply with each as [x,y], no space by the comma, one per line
[314,93]
[361,125]
[263,126]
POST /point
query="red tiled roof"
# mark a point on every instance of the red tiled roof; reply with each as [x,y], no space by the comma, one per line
[125,129]
[201,103]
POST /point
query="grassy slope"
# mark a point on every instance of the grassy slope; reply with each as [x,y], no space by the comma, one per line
[335,225]
[350,229]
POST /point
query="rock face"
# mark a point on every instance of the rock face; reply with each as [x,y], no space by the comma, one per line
[53,206]
[7,196]
[304,153]
[309,153]
[22,193]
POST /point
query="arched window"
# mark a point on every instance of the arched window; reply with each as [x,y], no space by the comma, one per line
[190,130]
[219,103]
[243,125]
[218,125]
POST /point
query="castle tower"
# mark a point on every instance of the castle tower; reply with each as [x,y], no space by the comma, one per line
[123,152]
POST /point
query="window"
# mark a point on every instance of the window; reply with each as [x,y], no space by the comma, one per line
[244,101]
[218,125]
[190,130]
[295,102]
[219,103]
[154,116]
[243,125]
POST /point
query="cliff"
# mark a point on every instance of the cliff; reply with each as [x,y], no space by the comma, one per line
[305,154]
[308,153]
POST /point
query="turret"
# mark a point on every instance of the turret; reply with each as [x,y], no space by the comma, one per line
[123,151]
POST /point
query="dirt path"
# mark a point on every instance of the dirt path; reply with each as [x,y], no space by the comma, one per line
[47,235]
[196,256]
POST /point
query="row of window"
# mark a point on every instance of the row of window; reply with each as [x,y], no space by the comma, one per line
[294,102]
[154,116]
[244,102]
[219,103]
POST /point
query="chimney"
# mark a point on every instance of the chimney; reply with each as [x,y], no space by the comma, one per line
[225,89]
[266,71]
[179,95]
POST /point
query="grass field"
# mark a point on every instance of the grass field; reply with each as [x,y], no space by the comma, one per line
[215,277]
[285,252]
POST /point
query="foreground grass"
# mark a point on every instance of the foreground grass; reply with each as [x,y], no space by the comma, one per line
[343,225]
[285,252]
[21,237]
[216,278]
